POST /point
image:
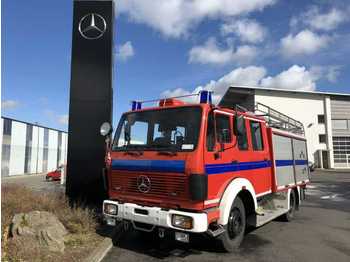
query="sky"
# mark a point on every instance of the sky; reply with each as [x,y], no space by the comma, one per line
[174,47]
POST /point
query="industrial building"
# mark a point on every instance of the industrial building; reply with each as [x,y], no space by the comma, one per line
[30,148]
[326,118]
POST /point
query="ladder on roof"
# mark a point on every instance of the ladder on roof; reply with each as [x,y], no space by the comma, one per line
[279,120]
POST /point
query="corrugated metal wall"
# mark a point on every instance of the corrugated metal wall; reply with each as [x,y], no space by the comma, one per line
[340,109]
[27,148]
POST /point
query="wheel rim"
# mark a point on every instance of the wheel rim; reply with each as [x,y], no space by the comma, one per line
[235,223]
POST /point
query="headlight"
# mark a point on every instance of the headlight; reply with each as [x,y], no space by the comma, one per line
[110,209]
[181,221]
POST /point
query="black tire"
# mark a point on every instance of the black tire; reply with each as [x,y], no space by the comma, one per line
[235,227]
[289,216]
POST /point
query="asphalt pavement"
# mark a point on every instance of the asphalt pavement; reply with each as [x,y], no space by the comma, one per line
[320,232]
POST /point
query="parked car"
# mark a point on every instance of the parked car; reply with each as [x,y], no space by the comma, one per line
[54,175]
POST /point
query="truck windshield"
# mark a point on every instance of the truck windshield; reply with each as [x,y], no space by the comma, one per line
[175,129]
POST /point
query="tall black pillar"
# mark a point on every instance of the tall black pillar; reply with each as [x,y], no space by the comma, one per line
[91,96]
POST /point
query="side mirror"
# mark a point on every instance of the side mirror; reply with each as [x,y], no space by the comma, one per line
[105,129]
[239,126]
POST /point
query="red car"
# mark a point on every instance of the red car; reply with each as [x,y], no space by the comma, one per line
[54,175]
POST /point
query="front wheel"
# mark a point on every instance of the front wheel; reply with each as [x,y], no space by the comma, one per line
[235,227]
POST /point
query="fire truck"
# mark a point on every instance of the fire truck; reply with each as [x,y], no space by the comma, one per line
[197,168]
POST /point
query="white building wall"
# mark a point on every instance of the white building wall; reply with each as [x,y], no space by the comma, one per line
[53,147]
[63,158]
[302,107]
[34,155]
[1,138]
[18,143]
[41,146]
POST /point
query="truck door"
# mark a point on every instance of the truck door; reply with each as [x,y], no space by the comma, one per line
[260,174]
[218,152]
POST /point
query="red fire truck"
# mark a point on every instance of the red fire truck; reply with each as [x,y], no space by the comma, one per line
[191,168]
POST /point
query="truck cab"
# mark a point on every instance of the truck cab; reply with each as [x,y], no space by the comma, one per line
[195,168]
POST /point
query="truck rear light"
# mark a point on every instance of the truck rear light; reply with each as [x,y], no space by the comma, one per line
[181,221]
[110,209]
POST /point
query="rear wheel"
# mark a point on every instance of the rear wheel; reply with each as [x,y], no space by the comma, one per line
[235,227]
[292,207]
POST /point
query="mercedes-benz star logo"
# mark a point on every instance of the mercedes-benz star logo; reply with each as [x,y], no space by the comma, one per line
[143,184]
[92,26]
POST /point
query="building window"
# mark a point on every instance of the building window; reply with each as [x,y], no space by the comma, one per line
[320,119]
[257,141]
[322,139]
[340,124]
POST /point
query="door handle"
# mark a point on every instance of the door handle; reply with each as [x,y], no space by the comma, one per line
[234,162]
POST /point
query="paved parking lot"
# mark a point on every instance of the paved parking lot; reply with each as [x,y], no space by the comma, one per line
[320,232]
[36,182]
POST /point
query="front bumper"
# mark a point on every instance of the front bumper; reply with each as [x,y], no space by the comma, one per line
[156,216]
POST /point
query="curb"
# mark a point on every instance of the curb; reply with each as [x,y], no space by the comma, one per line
[100,251]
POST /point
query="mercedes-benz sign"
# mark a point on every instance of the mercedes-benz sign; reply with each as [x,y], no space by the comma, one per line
[143,184]
[92,26]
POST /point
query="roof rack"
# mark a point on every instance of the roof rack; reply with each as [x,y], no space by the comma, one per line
[279,120]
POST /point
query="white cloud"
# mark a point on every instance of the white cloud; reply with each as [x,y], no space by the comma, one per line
[329,72]
[125,51]
[246,29]
[294,78]
[56,118]
[305,42]
[63,119]
[174,18]
[211,53]
[250,75]
[321,21]
[9,104]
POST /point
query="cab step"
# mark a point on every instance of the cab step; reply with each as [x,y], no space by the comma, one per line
[217,231]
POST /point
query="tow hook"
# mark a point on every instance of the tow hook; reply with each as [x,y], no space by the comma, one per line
[161,232]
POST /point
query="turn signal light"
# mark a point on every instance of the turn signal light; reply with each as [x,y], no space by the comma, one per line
[181,221]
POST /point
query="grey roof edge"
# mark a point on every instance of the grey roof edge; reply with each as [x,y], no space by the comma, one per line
[33,124]
[289,91]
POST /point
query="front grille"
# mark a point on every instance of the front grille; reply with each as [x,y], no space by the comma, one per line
[169,185]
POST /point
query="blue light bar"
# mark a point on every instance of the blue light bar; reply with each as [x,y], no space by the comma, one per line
[205,97]
[133,105]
